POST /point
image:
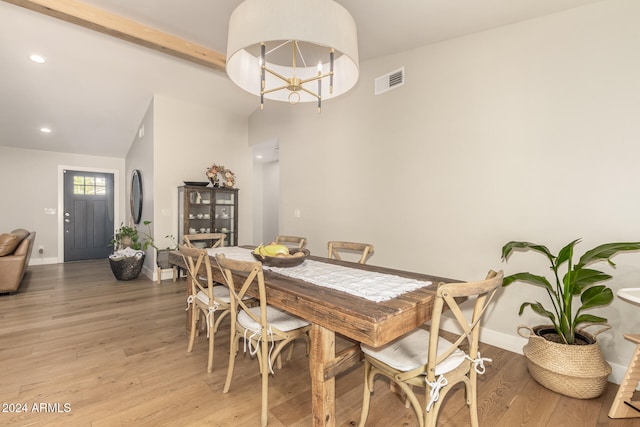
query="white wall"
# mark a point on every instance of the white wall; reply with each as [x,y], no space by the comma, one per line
[140,157]
[181,140]
[30,184]
[526,132]
[189,138]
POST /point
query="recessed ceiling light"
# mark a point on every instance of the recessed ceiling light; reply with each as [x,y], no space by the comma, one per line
[259,156]
[37,58]
[45,130]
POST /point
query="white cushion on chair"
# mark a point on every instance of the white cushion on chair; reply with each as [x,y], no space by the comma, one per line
[219,292]
[278,318]
[410,352]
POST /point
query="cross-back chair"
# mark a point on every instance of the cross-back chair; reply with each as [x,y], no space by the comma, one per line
[205,298]
[424,359]
[215,239]
[265,329]
[294,241]
[363,250]
[211,240]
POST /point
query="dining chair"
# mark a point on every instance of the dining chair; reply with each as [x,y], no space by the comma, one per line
[213,240]
[295,241]
[205,298]
[266,330]
[423,358]
[363,250]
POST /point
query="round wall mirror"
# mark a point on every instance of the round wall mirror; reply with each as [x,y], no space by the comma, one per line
[135,199]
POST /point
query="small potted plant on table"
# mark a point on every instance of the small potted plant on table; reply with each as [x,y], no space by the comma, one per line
[560,356]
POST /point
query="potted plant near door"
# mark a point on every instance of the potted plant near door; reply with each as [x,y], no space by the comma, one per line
[128,255]
[560,356]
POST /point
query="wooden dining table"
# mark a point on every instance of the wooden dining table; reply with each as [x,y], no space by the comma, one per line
[334,312]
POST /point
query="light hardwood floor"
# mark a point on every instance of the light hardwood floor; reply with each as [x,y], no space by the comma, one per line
[98,352]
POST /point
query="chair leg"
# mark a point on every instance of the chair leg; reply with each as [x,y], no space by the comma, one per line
[431,417]
[265,383]
[290,352]
[412,401]
[195,312]
[211,342]
[175,273]
[366,398]
[233,352]
[219,320]
[472,398]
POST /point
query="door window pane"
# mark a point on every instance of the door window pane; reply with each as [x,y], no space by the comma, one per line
[89,185]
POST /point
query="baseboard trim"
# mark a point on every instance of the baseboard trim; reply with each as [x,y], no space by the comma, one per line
[42,260]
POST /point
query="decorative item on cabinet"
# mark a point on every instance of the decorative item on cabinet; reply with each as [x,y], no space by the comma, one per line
[212,174]
[229,178]
[220,176]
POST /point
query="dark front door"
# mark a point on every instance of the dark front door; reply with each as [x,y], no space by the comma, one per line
[88,215]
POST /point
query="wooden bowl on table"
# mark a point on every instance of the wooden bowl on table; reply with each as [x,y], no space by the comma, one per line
[283,261]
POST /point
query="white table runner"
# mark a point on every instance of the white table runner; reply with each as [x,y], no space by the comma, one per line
[370,285]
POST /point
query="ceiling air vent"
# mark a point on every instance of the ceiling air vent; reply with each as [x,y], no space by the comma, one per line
[389,81]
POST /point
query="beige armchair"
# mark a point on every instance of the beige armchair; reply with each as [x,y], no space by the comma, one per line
[15,252]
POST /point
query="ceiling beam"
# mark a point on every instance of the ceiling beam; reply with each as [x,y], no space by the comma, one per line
[105,22]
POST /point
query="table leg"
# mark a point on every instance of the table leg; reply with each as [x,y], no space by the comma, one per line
[623,406]
[323,390]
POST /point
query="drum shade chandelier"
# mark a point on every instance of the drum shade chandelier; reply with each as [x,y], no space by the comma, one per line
[292,50]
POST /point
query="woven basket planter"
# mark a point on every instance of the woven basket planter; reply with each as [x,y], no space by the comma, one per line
[578,371]
[126,268]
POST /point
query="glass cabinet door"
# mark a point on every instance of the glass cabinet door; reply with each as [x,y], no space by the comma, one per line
[225,215]
[194,211]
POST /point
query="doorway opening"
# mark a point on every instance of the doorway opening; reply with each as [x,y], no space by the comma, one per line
[266,173]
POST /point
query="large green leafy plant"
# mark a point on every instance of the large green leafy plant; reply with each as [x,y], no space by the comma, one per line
[578,281]
[130,237]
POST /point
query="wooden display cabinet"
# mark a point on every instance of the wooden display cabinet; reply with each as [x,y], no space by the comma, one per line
[208,210]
